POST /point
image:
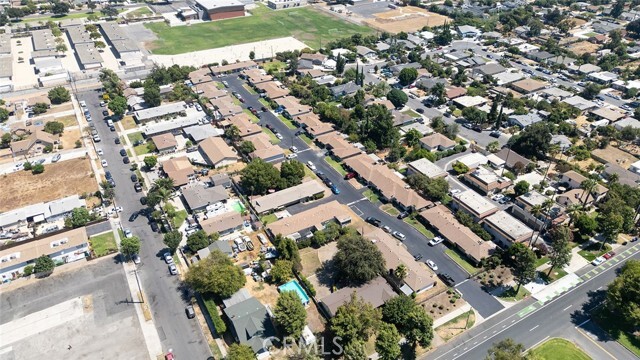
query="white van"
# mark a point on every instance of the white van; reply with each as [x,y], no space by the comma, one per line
[110,122]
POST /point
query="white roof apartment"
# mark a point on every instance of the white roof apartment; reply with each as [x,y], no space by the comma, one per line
[475,204]
[286,197]
[160,111]
[41,211]
[506,229]
[426,168]
[466,101]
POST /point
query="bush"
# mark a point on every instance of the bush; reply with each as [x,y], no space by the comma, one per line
[37,169]
[218,323]
[28,270]
[307,285]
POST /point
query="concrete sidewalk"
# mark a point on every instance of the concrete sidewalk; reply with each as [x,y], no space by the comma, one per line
[452,315]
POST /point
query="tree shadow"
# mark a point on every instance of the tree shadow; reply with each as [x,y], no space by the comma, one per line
[325,273]
[594,301]
[119,259]
[186,293]
[408,351]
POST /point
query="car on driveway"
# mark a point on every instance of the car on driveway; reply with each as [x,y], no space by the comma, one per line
[398,235]
[599,260]
[373,221]
[403,215]
[432,265]
[435,241]
[173,269]
[168,258]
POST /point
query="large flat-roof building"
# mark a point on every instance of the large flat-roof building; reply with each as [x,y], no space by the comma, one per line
[285,4]
[506,229]
[160,112]
[88,56]
[474,204]
[221,9]
[286,197]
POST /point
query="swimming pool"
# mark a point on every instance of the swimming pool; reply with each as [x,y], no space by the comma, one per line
[294,286]
[238,206]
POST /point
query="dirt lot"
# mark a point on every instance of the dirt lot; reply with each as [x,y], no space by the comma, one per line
[58,180]
[614,155]
[267,294]
[442,304]
[407,19]
[583,47]
[453,328]
[69,138]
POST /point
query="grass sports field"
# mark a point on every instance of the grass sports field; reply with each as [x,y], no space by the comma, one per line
[305,24]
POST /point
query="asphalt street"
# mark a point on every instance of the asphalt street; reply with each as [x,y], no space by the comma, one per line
[164,292]
[530,322]
[416,243]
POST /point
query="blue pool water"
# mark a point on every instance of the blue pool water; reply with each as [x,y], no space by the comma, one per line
[294,286]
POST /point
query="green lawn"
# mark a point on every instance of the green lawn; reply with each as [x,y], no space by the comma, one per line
[275,66]
[133,137]
[308,25]
[249,89]
[220,85]
[543,260]
[336,165]
[418,226]
[593,251]
[143,11]
[460,260]
[411,113]
[75,15]
[510,294]
[264,102]
[371,195]
[253,118]
[555,275]
[306,139]
[103,244]
[559,349]
[268,219]
[272,136]
[390,209]
[141,149]
[287,122]
[457,112]
[616,330]
[180,217]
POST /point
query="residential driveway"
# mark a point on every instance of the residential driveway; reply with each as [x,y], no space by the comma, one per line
[163,291]
[80,314]
[416,243]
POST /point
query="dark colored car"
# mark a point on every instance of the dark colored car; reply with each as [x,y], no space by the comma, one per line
[477,128]
[125,160]
[117,140]
[112,128]
[123,152]
[107,174]
[134,178]
[264,109]
[133,217]
[143,200]
[403,215]
[154,226]
[418,257]
[373,221]
[420,110]
[105,113]
[447,279]
[137,187]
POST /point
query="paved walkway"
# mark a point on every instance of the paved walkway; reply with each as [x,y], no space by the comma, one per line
[154,346]
[452,315]
[557,287]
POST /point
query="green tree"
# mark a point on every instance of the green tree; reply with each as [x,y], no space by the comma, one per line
[118,105]
[610,226]
[560,252]
[150,161]
[109,11]
[585,224]
[217,275]
[291,172]
[521,188]
[290,314]
[355,320]
[198,240]
[357,260]
[130,246]
[40,108]
[59,95]
[522,264]
[407,76]
[460,168]
[388,342]
[506,349]
[288,250]
[397,97]
[54,127]
[240,352]
[533,141]
[282,271]
[259,176]
[44,265]
[4,115]
[37,169]
[152,94]
[410,319]
[79,217]
[623,298]
[60,8]
[493,147]
[247,147]
[172,240]
[412,137]
[355,350]
[6,140]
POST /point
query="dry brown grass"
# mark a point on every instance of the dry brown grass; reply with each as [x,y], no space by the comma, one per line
[441,304]
[452,329]
[407,19]
[583,47]
[265,293]
[615,156]
[67,121]
[58,180]
[127,122]
[69,138]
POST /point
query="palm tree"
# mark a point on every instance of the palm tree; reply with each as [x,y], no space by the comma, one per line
[554,149]
[400,272]
[574,210]
[588,185]
[536,210]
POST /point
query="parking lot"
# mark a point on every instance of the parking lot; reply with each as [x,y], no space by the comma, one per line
[80,314]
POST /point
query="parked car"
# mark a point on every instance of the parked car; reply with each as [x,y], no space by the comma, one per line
[418,257]
[447,279]
[293,149]
[279,136]
[435,241]
[117,140]
[154,226]
[168,258]
[56,158]
[311,165]
[125,160]
[335,190]
[350,175]
[96,138]
[173,269]
[104,163]
[133,217]
[432,265]
[135,258]
[386,229]
[134,178]
[403,215]
[609,255]
[226,84]
[373,221]
[495,134]
[398,235]
[190,312]
[127,233]
[292,156]
[137,187]
[123,152]
[597,261]
[249,244]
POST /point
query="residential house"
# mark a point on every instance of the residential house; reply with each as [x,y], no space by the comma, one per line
[165,143]
[628,121]
[245,126]
[574,181]
[251,325]
[198,197]
[426,168]
[473,204]
[304,224]
[34,144]
[286,197]
[221,179]
[610,115]
[580,103]
[349,88]
[458,235]
[200,76]
[506,229]
[210,90]
[217,153]
[222,246]
[312,124]
[292,107]
[179,170]
[40,212]
[225,107]
[526,202]
[272,90]
[365,52]
[64,247]
[265,150]
[222,224]
[161,112]
[486,181]
[527,86]
[468,31]
[490,69]
[376,292]
[437,142]
[469,101]
[338,145]
[473,160]
[198,133]
[525,120]
[512,159]
[256,76]
[316,59]
[232,68]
